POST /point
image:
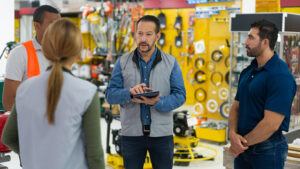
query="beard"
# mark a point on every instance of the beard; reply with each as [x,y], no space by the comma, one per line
[144,44]
[255,51]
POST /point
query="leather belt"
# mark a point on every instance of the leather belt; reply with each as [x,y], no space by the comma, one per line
[146,130]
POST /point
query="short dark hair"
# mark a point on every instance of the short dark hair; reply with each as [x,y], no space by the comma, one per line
[38,15]
[267,30]
[150,18]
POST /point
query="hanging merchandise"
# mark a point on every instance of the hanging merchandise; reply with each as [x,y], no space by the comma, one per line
[227,77]
[178,40]
[216,55]
[225,109]
[162,20]
[190,53]
[199,47]
[200,94]
[198,109]
[84,25]
[192,19]
[212,105]
[210,66]
[190,38]
[178,23]
[86,10]
[216,78]
[199,63]
[161,41]
[189,77]
[223,93]
[108,7]
[126,32]
[200,76]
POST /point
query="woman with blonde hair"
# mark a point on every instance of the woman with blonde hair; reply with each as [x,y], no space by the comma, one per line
[55,122]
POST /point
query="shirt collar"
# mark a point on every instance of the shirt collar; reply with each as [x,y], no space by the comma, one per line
[152,57]
[36,44]
[63,69]
[269,63]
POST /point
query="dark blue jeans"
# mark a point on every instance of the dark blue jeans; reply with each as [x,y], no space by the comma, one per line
[134,151]
[269,154]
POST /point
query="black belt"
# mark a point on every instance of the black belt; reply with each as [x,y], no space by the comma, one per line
[146,130]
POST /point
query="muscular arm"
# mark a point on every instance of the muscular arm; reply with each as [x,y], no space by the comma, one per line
[233,117]
[265,128]
[236,140]
[9,93]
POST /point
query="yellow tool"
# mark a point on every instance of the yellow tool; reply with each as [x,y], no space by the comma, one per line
[189,149]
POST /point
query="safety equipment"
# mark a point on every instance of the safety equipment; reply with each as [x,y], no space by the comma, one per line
[225,109]
[200,94]
[200,76]
[199,62]
[216,55]
[33,68]
[216,78]
[212,105]
[223,93]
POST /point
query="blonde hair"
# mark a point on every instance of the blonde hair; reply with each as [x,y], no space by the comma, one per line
[62,41]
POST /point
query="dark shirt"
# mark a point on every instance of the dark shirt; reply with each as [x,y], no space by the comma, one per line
[270,87]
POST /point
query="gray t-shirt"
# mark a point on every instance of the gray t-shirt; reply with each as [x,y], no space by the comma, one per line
[16,66]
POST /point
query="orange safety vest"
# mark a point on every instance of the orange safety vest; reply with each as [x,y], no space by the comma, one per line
[33,68]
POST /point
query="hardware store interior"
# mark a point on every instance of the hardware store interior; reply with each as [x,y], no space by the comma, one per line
[211,42]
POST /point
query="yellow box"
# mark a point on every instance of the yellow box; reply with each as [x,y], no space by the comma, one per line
[211,134]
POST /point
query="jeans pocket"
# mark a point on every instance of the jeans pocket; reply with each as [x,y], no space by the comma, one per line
[266,147]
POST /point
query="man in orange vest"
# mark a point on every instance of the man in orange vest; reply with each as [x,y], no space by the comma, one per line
[26,60]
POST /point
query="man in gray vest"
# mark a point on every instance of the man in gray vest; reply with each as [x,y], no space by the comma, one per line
[147,123]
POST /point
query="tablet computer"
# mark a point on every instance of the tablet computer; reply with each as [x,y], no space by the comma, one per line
[146,94]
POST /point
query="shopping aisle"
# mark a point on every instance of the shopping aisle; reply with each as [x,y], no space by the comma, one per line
[217,163]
